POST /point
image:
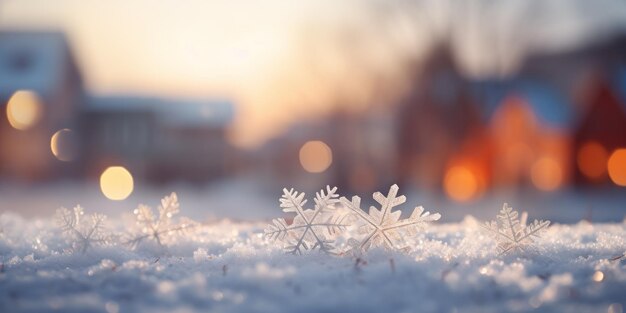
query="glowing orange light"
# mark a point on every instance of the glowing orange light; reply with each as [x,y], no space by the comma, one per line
[116,183]
[24,109]
[315,156]
[546,174]
[591,159]
[460,183]
[62,145]
[617,167]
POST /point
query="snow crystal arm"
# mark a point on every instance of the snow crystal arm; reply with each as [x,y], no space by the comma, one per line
[416,219]
[135,241]
[156,234]
[354,206]
[495,229]
[509,218]
[334,223]
[66,219]
[505,248]
[96,225]
[534,229]
[145,217]
[69,221]
[324,201]
[292,201]
[418,213]
[169,207]
[389,202]
[279,229]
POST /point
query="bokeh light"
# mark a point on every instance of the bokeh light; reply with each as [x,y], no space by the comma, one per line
[598,276]
[116,183]
[24,109]
[617,167]
[546,174]
[63,145]
[315,156]
[460,183]
[591,160]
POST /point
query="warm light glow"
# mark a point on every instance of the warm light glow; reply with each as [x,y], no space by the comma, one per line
[460,183]
[315,156]
[24,109]
[62,145]
[591,159]
[116,183]
[546,174]
[598,276]
[617,167]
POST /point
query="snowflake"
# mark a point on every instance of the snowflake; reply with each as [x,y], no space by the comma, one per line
[384,227]
[511,233]
[162,228]
[311,228]
[82,231]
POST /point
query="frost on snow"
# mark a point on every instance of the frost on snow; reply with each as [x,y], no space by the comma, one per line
[82,231]
[226,267]
[311,228]
[384,227]
[161,228]
[512,234]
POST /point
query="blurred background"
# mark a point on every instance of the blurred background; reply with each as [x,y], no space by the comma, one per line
[464,104]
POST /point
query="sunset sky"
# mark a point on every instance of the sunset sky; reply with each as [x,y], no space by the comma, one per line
[171,48]
[281,60]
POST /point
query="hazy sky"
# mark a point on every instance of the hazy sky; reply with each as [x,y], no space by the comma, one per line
[188,48]
[251,51]
[283,59]
[195,47]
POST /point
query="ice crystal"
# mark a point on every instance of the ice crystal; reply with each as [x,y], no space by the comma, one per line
[311,228]
[511,233]
[82,231]
[383,227]
[161,228]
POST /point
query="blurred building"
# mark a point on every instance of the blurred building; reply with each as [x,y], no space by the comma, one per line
[157,139]
[520,132]
[41,90]
[465,137]
[555,123]
[52,129]
[601,129]
[439,123]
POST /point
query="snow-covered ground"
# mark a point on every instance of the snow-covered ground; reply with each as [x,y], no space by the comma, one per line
[226,266]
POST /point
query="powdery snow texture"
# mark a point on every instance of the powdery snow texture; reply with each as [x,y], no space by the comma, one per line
[231,267]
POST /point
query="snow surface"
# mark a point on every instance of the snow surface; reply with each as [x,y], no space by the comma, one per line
[226,266]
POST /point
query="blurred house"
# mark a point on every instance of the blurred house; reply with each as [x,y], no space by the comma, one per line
[601,129]
[51,129]
[465,136]
[519,132]
[41,89]
[157,139]
[439,123]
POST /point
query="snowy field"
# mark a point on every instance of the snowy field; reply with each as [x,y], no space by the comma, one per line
[228,267]
[225,265]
